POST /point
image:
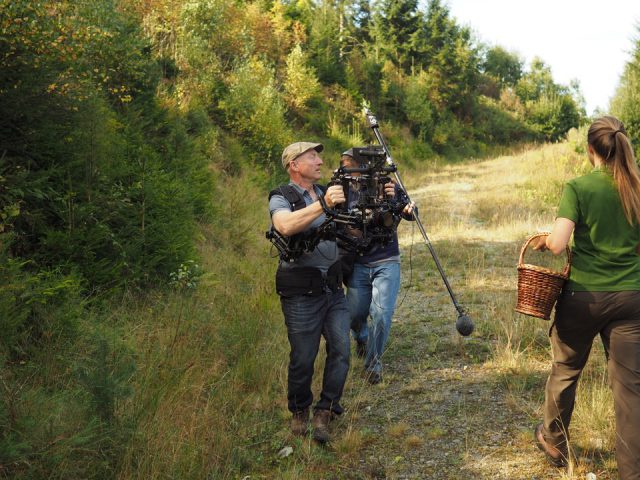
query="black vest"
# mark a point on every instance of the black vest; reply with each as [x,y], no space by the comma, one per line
[293,196]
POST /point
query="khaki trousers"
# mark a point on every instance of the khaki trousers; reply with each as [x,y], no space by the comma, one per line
[580,316]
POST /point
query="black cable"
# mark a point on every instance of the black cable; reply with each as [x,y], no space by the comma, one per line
[413,229]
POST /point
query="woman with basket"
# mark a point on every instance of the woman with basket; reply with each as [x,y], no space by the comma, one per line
[601,296]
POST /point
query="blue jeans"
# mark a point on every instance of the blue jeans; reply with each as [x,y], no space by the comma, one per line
[372,291]
[308,317]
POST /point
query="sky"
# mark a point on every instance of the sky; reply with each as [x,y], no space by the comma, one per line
[587,40]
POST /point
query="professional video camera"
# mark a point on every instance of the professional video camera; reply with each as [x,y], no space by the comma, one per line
[369,216]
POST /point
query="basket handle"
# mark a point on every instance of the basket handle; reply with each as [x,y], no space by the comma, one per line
[567,267]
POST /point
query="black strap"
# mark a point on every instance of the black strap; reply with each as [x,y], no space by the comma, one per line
[293,196]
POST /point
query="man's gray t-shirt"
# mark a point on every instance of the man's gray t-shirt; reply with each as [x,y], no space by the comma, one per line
[326,253]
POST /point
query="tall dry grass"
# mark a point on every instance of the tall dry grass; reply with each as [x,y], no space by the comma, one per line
[481,212]
[210,376]
[210,388]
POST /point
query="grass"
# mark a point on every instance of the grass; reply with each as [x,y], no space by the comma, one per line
[481,212]
[202,372]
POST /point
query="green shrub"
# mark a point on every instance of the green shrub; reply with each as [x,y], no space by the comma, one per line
[419,110]
[254,110]
[553,115]
[494,125]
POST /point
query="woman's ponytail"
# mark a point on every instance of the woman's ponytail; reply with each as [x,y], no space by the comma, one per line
[609,140]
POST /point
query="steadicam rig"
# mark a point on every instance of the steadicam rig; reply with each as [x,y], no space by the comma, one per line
[291,248]
[369,216]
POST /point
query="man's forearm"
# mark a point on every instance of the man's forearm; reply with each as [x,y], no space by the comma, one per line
[291,223]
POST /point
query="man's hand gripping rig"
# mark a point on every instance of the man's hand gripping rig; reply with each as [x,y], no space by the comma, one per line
[464,325]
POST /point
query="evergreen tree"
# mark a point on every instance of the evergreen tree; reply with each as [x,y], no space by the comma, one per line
[625,104]
[396,26]
[362,21]
[447,54]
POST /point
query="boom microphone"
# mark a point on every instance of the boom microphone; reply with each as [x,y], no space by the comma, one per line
[464,325]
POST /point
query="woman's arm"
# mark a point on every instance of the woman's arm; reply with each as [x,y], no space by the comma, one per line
[558,240]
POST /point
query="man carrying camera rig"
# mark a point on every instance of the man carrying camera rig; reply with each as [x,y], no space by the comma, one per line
[310,287]
[373,285]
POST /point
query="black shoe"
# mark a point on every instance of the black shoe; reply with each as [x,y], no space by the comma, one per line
[557,456]
[373,378]
[361,349]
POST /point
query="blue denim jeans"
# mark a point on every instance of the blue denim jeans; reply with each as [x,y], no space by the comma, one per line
[372,291]
[308,317]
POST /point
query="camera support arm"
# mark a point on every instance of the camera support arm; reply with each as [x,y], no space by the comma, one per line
[463,324]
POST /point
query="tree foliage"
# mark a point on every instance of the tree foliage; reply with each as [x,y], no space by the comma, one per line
[503,66]
[300,81]
[625,104]
[121,122]
[396,29]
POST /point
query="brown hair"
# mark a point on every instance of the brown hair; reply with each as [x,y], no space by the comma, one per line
[608,138]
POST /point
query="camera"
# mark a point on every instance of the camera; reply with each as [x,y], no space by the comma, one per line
[368,216]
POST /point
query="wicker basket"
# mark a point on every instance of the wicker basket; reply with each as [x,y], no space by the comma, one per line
[539,287]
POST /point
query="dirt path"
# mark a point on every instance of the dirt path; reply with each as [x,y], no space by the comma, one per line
[446,410]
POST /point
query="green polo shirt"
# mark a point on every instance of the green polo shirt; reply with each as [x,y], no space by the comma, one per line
[604,244]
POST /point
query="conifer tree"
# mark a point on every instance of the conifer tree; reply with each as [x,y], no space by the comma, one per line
[625,104]
[447,53]
[396,26]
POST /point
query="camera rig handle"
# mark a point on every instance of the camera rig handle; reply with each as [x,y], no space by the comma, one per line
[373,123]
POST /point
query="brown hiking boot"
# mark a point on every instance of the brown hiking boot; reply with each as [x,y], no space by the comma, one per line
[320,422]
[556,456]
[300,422]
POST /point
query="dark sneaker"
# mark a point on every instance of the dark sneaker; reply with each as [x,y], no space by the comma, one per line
[557,456]
[372,377]
[300,422]
[320,422]
[361,349]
